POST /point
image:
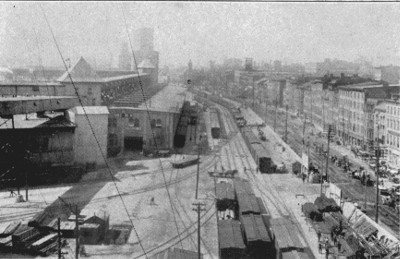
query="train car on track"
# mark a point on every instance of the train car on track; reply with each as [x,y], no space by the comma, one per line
[258,151]
[257,239]
[230,238]
[183,123]
[185,162]
[215,125]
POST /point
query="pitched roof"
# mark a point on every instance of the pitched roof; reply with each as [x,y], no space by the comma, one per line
[81,71]
[229,234]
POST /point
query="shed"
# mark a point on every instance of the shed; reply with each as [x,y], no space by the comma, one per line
[257,239]
[90,233]
[101,218]
[225,196]
[247,204]
[230,239]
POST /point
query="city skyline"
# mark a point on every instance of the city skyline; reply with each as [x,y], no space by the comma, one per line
[290,32]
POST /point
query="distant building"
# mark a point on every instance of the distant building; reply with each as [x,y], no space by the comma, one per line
[125,58]
[310,68]
[248,64]
[390,74]
[146,51]
[277,66]
[145,37]
[233,64]
[337,67]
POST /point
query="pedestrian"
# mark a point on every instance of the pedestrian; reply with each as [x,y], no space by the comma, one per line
[339,246]
[304,177]
[12,193]
[319,235]
[320,247]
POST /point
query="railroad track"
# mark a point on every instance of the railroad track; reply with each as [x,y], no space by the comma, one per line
[354,189]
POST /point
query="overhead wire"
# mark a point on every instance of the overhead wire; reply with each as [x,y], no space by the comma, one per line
[151,129]
[92,130]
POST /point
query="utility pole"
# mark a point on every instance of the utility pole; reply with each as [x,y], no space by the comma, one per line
[76,212]
[276,107]
[286,124]
[198,207]
[26,185]
[59,237]
[377,154]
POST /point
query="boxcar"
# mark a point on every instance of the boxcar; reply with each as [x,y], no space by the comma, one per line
[230,238]
[215,125]
[248,204]
[45,245]
[258,242]
[185,162]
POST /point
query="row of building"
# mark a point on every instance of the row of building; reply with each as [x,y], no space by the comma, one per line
[364,112]
[84,116]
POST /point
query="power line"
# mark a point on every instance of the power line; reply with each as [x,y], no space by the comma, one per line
[91,128]
[152,132]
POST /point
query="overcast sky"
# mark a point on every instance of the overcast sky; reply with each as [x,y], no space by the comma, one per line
[291,32]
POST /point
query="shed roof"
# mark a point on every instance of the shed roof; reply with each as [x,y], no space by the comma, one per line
[229,234]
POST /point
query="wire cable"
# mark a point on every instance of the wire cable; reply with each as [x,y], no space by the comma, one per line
[92,129]
[152,132]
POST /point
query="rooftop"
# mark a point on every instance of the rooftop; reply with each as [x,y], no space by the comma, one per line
[21,122]
[81,110]
[4,84]
[169,99]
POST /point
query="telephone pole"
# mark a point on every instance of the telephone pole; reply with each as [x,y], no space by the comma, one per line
[286,124]
[198,207]
[377,154]
[76,212]
[276,108]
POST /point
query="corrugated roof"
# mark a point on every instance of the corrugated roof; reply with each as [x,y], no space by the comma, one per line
[230,235]
[90,110]
[254,228]
[364,228]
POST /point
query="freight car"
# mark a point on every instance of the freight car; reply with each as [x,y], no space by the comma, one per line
[45,245]
[181,128]
[257,239]
[258,151]
[230,238]
[185,162]
[215,125]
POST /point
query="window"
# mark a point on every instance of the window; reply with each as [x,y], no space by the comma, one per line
[158,123]
[122,115]
[153,123]
[35,88]
[136,123]
[89,91]
[131,122]
[94,101]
